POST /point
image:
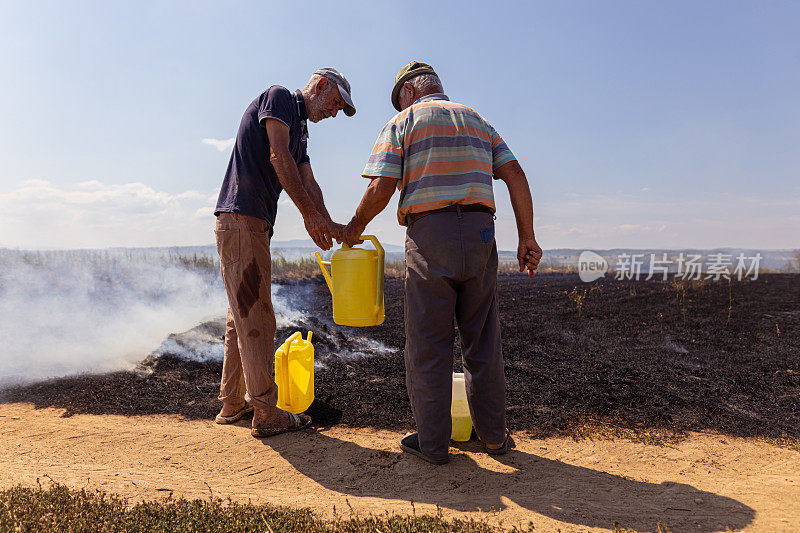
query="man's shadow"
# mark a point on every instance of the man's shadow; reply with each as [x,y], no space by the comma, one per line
[558,490]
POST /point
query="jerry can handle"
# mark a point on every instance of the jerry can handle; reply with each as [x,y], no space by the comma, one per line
[322,265]
[286,400]
[381,255]
[296,335]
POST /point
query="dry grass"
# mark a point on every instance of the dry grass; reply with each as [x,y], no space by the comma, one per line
[587,427]
[59,508]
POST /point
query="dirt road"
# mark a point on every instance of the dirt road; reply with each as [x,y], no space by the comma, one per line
[707,483]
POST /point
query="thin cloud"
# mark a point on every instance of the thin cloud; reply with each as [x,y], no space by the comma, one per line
[632,227]
[41,214]
[220,144]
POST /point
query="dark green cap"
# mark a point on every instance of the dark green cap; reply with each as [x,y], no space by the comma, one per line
[412,70]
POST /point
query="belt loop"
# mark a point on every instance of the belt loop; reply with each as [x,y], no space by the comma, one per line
[458,210]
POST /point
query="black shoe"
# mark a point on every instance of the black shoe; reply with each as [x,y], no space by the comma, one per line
[410,444]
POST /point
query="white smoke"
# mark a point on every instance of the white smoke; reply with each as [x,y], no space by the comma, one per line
[361,347]
[70,312]
[205,342]
[197,344]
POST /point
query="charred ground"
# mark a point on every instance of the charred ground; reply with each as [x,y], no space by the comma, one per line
[680,356]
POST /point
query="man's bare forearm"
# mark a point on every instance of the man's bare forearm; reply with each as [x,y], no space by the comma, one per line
[521,200]
[312,189]
[375,200]
[529,253]
[522,203]
[289,177]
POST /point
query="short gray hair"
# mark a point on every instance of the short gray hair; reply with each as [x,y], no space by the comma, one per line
[315,79]
[427,83]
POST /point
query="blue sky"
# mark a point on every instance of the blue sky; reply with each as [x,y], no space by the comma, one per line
[639,124]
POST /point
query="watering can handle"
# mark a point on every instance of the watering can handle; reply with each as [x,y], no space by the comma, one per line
[381,255]
[322,265]
[286,400]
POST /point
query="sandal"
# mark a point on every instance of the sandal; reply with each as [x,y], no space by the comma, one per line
[410,444]
[502,450]
[296,423]
[235,417]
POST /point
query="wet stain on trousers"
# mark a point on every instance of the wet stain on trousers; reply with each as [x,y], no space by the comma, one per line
[247,295]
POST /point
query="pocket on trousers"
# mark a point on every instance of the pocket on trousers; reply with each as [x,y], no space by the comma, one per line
[487,235]
[227,245]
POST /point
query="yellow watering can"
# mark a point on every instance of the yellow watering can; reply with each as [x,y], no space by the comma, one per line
[294,373]
[356,283]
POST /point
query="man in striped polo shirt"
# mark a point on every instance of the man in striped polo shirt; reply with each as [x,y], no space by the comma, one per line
[442,157]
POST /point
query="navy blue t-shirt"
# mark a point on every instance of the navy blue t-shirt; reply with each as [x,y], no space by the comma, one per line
[251,186]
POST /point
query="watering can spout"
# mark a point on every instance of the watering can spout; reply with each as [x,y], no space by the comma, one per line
[324,266]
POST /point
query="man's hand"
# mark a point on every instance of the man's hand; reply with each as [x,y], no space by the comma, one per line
[319,230]
[336,230]
[529,254]
[351,233]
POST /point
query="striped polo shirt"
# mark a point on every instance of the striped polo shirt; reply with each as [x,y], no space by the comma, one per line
[442,153]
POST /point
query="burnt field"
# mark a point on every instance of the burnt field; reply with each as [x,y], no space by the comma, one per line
[641,355]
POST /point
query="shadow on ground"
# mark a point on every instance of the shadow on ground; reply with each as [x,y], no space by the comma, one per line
[568,493]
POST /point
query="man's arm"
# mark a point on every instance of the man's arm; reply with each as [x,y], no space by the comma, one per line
[528,252]
[288,174]
[315,193]
[375,200]
[312,189]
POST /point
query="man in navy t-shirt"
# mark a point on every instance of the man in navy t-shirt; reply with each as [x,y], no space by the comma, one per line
[270,155]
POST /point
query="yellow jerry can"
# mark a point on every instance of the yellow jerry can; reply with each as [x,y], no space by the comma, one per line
[459,410]
[356,283]
[294,373]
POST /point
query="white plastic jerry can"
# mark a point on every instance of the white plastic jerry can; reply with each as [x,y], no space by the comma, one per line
[459,410]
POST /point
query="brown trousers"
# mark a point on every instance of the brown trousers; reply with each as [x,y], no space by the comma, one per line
[247,369]
[451,271]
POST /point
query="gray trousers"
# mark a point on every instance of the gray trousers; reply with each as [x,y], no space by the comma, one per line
[451,270]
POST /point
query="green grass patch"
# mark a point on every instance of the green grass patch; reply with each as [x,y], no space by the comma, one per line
[58,508]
